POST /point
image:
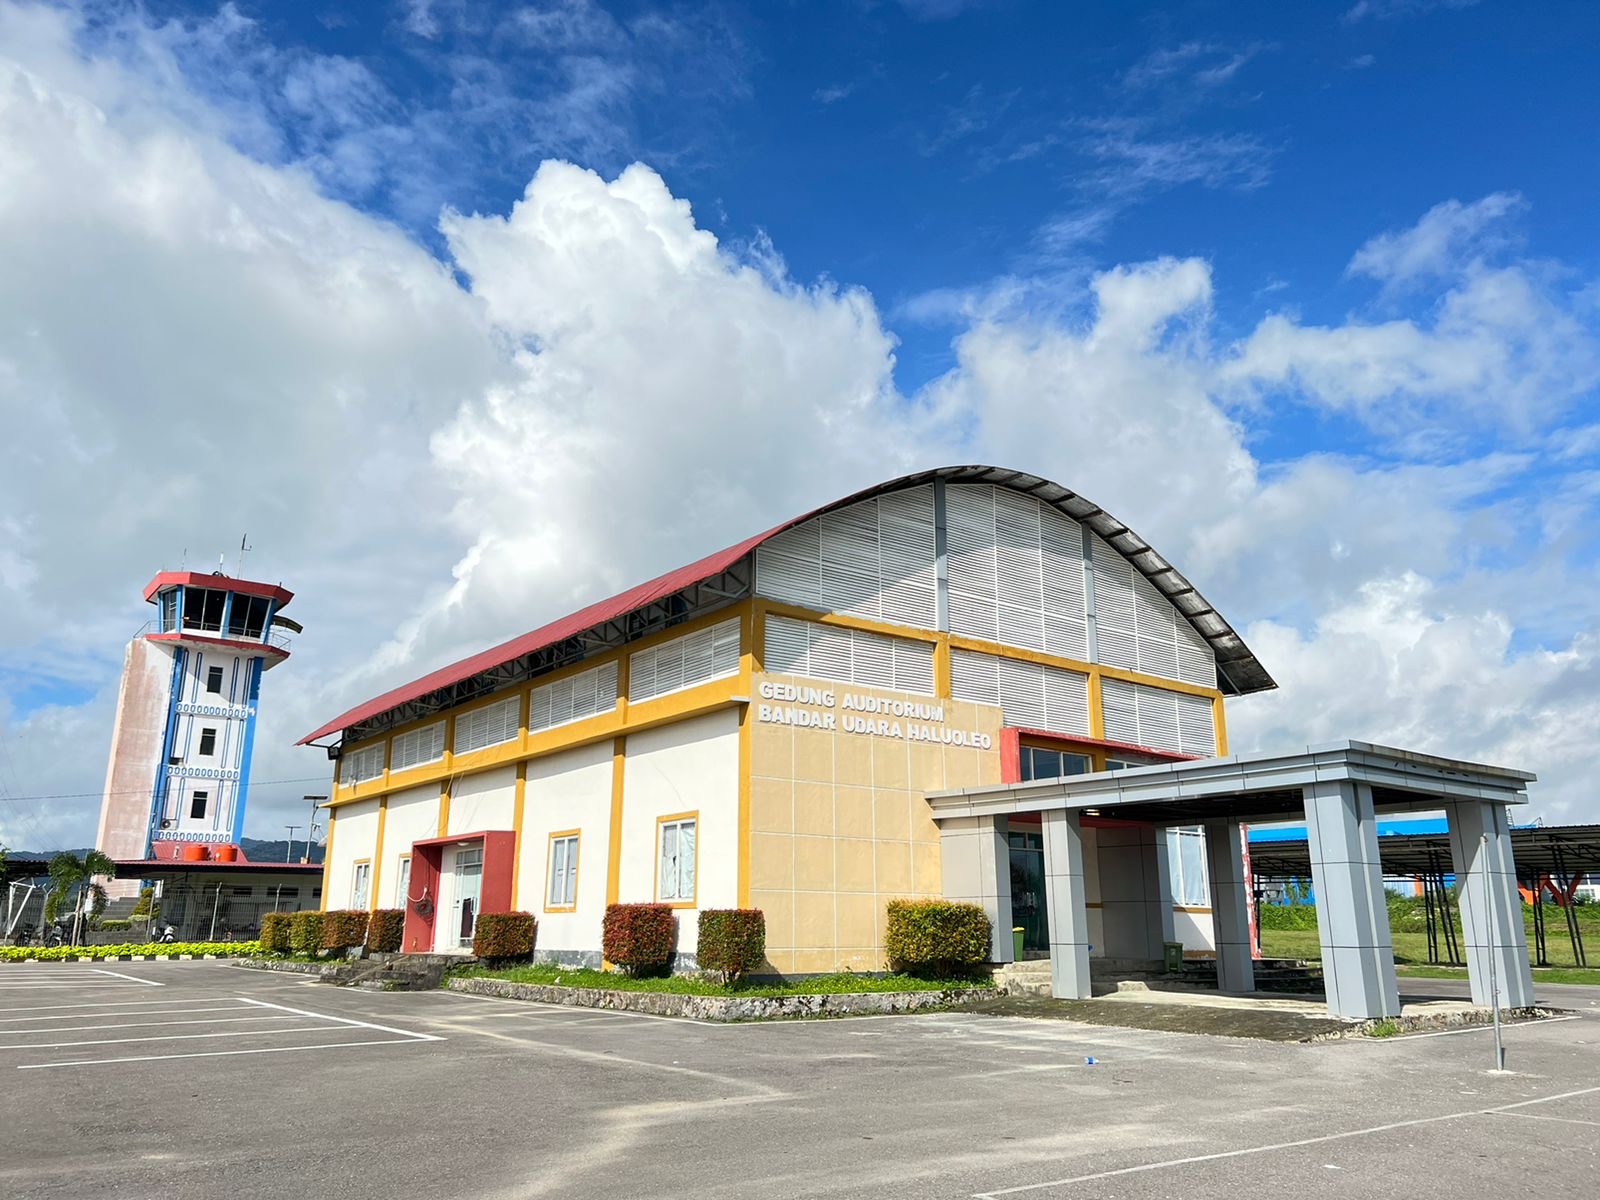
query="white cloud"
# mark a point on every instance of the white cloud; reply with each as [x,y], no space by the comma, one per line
[1388,10]
[1448,236]
[194,345]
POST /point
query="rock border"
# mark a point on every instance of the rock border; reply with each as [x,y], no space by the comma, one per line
[721,1009]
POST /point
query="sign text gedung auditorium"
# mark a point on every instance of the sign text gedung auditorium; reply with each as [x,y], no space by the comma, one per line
[857,712]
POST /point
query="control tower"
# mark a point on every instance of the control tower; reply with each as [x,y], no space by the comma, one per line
[179,770]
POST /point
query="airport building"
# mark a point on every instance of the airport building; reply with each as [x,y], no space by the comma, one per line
[961,683]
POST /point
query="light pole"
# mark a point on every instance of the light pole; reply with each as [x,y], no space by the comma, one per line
[311,830]
[288,851]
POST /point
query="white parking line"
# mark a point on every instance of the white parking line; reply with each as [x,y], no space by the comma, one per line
[136,1012]
[1499,1109]
[90,1004]
[135,978]
[140,1024]
[420,1037]
[163,1037]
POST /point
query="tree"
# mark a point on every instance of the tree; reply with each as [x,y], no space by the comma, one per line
[73,878]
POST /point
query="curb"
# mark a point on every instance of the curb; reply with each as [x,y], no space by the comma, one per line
[722,1009]
[93,958]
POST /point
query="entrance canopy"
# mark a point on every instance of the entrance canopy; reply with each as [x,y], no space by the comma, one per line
[1251,788]
[1337,789]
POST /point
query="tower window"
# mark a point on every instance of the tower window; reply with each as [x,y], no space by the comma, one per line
[202,609]
[197,804]
[248,616]
[208,741]
[214,679]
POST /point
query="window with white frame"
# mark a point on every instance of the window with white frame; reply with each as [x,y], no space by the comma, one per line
[1186,854]
[563,891]
[402,882]
[361,885]
[676,882]
[362,765]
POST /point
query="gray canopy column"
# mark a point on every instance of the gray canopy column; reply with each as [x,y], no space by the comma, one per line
[1480,845]
[1352,907]
[975,862]
[1230,906]
[1065,906]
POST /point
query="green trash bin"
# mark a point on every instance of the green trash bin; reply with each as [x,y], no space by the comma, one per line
[1016,942]
[1172,957]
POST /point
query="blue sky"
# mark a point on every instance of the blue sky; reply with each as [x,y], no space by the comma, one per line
[470,314]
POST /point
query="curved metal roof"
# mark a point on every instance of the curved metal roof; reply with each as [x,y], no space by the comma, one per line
[1238,670]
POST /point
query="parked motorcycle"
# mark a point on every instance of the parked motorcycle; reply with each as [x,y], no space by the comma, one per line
[164,934]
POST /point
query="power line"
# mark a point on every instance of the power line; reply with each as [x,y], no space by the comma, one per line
[141,791]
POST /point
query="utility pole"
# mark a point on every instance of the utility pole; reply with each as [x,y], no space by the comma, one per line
[312,829]
[288,851]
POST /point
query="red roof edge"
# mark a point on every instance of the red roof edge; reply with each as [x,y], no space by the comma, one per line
[248,587]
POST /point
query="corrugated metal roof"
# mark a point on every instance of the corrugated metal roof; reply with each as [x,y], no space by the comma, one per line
[1238,669]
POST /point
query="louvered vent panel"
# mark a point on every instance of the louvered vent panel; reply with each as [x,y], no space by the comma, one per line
[1022,694]
[913,666]
[848,656]
[970,560]
[362,765]
[1114,608]
[488,726]
[420,746]
[1120,710]
[685,661]
[1196,662]
[906,553]
[975,677]
[1197,733]
[850,560]
[1158,718]
[1065,637]
[1066,701]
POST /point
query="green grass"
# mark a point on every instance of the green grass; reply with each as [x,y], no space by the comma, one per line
[844,982]
[1411,950]
[1586,975]
[1382,1029]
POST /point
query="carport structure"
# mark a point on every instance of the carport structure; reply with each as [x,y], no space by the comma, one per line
[1337,789]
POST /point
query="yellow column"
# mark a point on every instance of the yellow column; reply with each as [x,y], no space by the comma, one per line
[444,808]
[327,857]
[1097,712]
[614,845]
[1221,724]
[941,667]
[516,828]
[377,855]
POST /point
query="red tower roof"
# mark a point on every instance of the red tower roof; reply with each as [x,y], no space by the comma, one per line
[167,579]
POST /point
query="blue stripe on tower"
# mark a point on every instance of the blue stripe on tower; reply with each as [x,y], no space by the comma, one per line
[249,744]
[158,800]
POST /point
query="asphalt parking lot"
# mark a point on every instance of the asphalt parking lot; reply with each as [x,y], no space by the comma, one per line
[203,1080]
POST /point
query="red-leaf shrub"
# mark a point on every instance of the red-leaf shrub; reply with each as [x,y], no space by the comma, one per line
[343,928]
[385,928]
[505,935]
[639,937]
[936,938]
[305,932]
[732,941]
[275,930]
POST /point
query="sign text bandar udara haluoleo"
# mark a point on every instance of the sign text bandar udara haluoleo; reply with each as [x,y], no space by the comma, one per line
[910,720]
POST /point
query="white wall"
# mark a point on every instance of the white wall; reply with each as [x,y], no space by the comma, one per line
[484,801]
[570,790]
[413,816]
[355,833]
[1193,929]
[690,766]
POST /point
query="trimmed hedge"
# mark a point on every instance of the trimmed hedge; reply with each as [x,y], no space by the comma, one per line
[305,932]
[640,938]
[936,939]
[275,932]
[732,941]
[343,928]
[114,923]
[59,953]
[385,929]
[500,937]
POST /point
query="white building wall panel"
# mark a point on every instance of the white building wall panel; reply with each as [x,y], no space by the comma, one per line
[354,839]
[689,766]
[566,791]
[483,801]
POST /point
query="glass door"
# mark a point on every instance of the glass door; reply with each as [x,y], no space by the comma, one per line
[468,872]
[1027,889]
